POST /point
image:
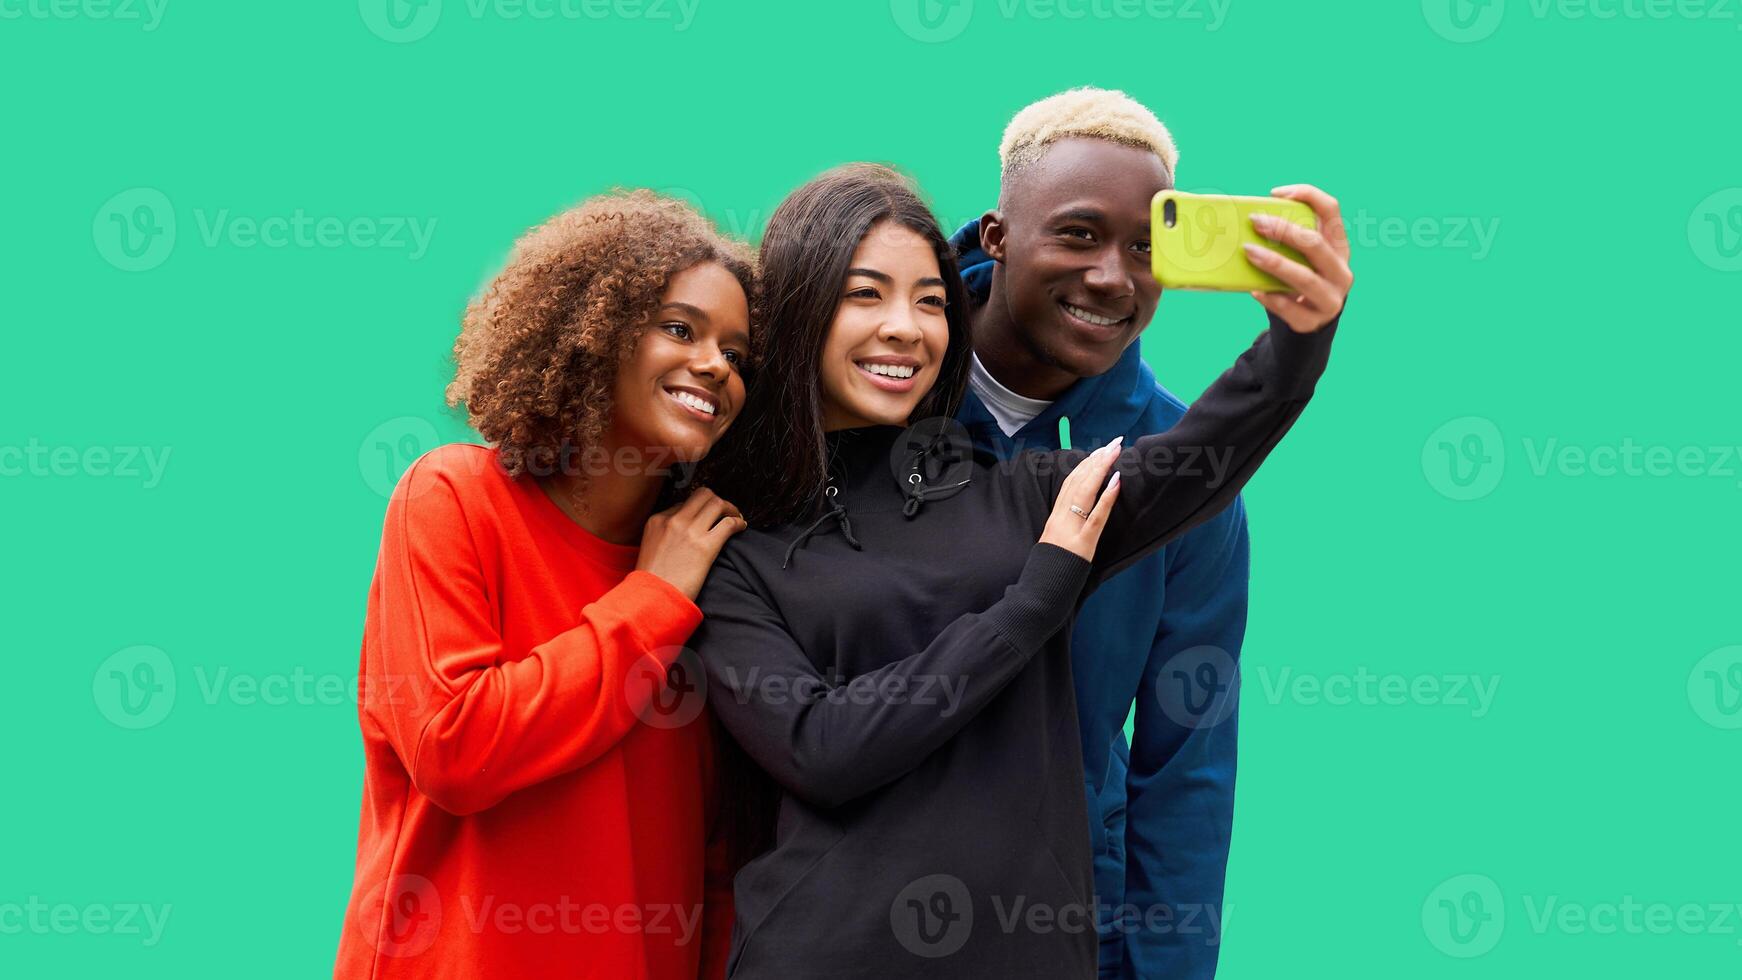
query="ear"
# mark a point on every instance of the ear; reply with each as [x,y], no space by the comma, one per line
[992,234]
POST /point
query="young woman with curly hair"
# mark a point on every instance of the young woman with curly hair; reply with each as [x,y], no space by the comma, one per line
[890,640]
[531,806]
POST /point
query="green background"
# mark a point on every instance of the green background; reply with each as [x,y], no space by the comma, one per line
[288,386]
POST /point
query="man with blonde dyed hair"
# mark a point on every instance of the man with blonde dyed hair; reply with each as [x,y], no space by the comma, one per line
[1089,113]
[1059,273]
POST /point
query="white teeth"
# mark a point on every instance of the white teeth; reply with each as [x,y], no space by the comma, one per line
[889,370]
[692,401]
[1082,314]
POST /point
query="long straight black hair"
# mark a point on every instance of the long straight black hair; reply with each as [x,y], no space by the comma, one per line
[773,462]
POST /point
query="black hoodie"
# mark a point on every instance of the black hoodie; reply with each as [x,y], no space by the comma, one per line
[901,667]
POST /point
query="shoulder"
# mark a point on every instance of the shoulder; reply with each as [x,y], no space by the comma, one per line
[452,484]
[1164,407]
[468,469]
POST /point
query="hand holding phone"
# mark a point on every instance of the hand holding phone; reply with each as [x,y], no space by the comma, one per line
[1196,239]
[1289,250]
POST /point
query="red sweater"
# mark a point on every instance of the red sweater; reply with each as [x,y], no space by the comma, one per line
[520,818]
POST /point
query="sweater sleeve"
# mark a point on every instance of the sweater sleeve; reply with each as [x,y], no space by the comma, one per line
[828,750]
[1173,481]
[469,724]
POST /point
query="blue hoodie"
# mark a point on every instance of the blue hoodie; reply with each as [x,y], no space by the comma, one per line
[1165,633]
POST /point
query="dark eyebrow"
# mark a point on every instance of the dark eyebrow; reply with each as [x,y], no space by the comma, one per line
[871,274]
[931,281]
[694,311]
[1089,215]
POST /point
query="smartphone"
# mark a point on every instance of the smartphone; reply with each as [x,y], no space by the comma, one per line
[1195,240]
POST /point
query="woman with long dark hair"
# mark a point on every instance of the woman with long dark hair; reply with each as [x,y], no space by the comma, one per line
[889,639]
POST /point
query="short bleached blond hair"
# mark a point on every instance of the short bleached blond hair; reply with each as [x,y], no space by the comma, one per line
[1087,112]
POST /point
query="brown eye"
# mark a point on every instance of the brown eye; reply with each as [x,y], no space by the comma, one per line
[670,327]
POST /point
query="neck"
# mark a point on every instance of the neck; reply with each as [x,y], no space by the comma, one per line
[614,504]
[1007,356]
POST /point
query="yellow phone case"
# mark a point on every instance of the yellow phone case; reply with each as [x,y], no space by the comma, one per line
[1195,240]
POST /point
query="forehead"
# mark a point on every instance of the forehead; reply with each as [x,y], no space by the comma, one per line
[711,288]
[889,246]
[1092,173]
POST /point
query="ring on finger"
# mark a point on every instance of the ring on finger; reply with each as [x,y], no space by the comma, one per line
[1080,512]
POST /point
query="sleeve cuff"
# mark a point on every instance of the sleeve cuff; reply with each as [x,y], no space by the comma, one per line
[1042,599]
[659,613]
[1298,359]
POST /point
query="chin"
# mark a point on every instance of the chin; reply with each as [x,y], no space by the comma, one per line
[1080,363]
[884,414]
[690,450]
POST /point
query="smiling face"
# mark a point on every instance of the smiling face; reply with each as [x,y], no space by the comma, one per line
[1072,239]
[889,335]
[684,383]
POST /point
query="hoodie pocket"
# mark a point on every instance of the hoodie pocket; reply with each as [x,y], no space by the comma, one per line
[764,884]
[1064,879]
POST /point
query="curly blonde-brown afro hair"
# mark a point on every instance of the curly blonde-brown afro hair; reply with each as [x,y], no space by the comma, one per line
[539,348]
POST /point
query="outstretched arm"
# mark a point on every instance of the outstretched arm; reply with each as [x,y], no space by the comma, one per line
[1174,480]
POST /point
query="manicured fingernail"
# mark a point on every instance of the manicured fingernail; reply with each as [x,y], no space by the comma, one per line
[1116,443]
[1113,482]
[1256,253]
[1262,221]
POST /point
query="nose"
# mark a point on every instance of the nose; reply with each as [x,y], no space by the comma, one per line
[901,327]
[709,361]
[1108,275]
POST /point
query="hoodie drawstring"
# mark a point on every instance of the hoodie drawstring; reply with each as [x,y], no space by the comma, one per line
[839,513]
